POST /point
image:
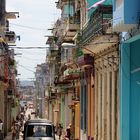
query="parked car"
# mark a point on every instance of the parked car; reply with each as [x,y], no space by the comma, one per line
[39,129]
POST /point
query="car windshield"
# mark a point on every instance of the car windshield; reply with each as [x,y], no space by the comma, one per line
[39,130]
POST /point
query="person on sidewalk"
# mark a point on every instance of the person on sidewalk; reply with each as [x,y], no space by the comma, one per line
[59,130]
[1,130]
[13,130]
[68,132]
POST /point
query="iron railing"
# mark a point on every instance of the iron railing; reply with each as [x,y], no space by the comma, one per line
[98,24]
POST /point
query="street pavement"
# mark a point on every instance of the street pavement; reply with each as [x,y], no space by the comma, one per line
[9,137]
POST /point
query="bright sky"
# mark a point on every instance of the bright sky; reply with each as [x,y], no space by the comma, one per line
[35,17]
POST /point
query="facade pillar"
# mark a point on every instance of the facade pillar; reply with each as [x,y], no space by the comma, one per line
[99,106]
[104,88]
[96,105]
[108,106]
[113,96]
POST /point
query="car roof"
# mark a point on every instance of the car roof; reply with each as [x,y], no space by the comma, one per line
[39,120]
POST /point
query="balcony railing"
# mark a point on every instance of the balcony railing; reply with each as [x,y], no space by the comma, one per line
[71,74]
[98,24]
[85,60]
[60,81]
[71,25]
[10,37]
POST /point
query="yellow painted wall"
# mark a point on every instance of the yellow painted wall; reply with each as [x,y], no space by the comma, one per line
[77,121]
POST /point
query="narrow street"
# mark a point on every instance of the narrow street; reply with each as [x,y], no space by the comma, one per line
[72,64]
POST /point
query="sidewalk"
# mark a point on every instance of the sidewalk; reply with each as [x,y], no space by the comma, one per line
[9,136]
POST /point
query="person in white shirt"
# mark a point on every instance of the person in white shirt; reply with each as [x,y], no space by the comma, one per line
[1,130]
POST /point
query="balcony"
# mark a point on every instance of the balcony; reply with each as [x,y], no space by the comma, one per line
[72,25]
[51,40]
[60,81]
[85,60]
[3,79]
[99,24]
[11,62]
[60,3]
[10,37]
[75,99]
[71,74]
[12,15]
[53,95]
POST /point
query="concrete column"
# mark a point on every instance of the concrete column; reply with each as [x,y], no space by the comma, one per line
[105,108]
[99,106]
[96,106]
[108,106]
[104,88]
[117,107]
[113,111]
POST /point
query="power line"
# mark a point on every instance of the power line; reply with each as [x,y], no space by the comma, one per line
[26,68]
[29,59]
[28,47]
[29,27]
[32,53]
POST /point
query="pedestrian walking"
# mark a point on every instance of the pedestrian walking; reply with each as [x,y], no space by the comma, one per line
[1,130]
[59,130]
[68,132]
[14,130]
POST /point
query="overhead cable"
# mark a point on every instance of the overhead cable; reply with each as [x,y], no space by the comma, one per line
[29,27]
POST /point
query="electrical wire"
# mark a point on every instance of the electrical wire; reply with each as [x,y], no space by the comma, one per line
[26,47]
[29,59]
[26,68]
[29,27]
[33,53]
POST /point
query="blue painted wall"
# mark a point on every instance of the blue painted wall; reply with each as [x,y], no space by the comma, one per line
[124,92]
[130,91]
[129,11]
[135,90]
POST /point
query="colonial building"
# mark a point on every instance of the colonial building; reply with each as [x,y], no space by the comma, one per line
[40,84]
[8,90]
[87,80]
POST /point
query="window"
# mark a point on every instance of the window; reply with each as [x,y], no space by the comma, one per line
[39,131]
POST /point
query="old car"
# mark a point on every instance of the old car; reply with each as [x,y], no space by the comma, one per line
[39,129]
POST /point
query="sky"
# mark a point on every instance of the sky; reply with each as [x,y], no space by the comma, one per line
[35,18]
